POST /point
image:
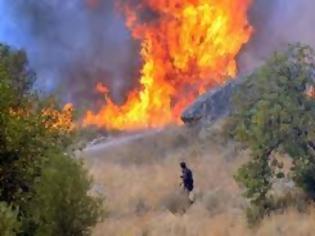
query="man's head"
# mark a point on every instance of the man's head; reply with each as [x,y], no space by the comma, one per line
[183,165]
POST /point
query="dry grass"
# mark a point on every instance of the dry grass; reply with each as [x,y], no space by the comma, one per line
[140,180]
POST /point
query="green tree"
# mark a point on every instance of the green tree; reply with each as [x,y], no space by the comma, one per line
[20,155]
[65,207]
[274,111]
[44,185]
[9,224]
[14,71]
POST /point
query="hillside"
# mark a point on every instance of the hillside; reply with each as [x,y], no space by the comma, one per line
[140,180]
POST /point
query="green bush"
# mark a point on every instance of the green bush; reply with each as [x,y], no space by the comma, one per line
[62,205]
[9,224]
[38,177]
[274,111]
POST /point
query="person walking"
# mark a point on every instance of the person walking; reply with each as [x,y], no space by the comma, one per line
[187,181]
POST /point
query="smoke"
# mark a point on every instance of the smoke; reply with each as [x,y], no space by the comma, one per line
[277,23]
[72,45]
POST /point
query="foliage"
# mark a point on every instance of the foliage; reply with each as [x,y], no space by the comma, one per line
[274,112]
[61,205]
[35,141]
[25,137]
[20,155]
[9,224]
[15,72]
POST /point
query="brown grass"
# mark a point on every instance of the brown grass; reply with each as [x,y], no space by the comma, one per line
[140,180]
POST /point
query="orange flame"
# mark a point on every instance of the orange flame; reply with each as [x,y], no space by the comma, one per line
[188,46]
[59,120]
[101,88]
[53,119]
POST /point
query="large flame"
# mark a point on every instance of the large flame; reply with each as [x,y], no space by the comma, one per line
[188,46]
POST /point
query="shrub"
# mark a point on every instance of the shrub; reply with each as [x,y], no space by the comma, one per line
[62,204]
[274,111]
[47,188]
[9,224]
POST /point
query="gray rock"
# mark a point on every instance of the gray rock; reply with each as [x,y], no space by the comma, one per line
[211,106]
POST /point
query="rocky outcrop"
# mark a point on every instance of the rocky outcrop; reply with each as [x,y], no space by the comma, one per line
[211,106]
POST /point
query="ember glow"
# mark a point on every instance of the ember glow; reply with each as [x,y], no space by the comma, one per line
[59,120]
[188,47]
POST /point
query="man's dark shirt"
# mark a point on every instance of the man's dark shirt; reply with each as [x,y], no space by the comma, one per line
[187,179]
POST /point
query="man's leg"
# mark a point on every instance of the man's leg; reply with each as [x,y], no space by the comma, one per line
[191,197]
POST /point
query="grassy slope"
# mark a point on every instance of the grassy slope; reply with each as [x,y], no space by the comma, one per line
[140,179]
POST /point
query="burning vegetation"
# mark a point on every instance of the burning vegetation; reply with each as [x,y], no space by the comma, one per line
[264,147]
[36,141]
[272,119]
[187,47]
[59,120]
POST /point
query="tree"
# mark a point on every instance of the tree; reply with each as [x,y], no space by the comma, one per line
[9,224]
[36,164]
[274,111]
[65,207]
[15,71]
[20,119]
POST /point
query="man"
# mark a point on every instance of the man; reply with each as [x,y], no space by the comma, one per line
[187,181]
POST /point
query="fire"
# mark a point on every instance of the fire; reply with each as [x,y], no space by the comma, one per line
[59,120]
[53,119]
[188,47]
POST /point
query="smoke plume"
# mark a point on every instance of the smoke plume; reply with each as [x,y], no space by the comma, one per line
[277,23]
[72,45]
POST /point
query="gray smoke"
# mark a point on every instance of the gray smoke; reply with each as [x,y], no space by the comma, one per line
[72,45]
[277,23]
